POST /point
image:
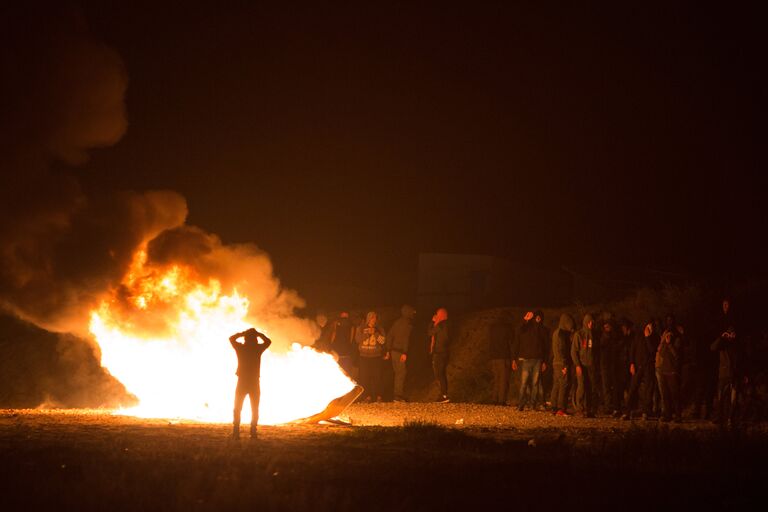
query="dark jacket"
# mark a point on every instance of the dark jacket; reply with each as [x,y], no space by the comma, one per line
[500,340]
[399,335]
[562,339]
[668,355]
[643,350]
[583,347]
[529,341]
[440,334]
[341,338]
[249,359]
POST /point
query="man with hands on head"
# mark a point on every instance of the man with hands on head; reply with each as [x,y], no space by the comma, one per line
[248,374]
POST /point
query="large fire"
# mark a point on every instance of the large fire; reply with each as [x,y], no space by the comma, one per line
[164,335]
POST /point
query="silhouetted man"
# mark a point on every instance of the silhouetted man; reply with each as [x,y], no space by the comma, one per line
[438,348]
[248,375]
[398,341]
[528,353]
[584,357]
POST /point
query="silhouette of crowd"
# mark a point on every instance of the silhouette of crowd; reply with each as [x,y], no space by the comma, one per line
[654,369]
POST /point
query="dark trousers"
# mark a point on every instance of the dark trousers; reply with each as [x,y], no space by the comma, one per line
[370,376]
[500,369]
[689,387]
[253,390]
[559,396]
[727,398]
[608,383]
[439,367]
[669,386]
[641,389]
[399,371]
[585,390]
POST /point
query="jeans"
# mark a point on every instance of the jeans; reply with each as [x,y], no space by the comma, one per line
[728,394]
[529,371]
[398,368]
[669,386]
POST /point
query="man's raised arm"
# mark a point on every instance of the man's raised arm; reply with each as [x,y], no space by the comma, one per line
[266,341]
[233,338]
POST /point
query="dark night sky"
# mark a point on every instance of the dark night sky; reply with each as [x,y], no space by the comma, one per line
[345,142]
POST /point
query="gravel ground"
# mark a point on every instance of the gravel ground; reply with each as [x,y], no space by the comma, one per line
[487,420]
[495,419]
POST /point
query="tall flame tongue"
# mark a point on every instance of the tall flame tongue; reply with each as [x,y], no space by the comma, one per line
[165,337]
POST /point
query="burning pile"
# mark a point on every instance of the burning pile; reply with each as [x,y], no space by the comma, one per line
[164,335]
[160,297]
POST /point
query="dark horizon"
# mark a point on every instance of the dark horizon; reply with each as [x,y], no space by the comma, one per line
[345,143]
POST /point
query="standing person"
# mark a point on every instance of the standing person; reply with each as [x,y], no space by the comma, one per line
[561,346]
[370,345]
[626,336]
[667,366]
[342,342]
[546,362]
[323,342]
[642,353]
[730,346]
[248,375]
[528,353]
[608,344]
[500,337]
[584,361]
[438,348]
[398,340]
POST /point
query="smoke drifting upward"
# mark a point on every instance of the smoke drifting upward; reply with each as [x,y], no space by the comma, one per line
[63,252]
[62,93]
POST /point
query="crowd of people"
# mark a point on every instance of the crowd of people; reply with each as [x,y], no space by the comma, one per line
[599,365]
[612,366]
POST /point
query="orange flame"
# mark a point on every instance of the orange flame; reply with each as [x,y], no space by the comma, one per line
[164,335]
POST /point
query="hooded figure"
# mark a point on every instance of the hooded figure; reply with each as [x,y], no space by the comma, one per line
[561,346]
[370,344]
[398,341]
[583,355]
[731,370]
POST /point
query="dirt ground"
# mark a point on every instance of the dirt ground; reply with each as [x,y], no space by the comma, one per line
[394,457]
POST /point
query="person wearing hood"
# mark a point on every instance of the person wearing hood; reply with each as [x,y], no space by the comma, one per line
[528,353]
[398,340]
[731,369]
[641,369]
[438,348]
[342,342]
[500,338]
[546,341]
[323,342]
[370,345]
[608,358]
[667,369]
[561,346]
[584,357]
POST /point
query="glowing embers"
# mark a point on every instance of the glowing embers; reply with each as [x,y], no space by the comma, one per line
[164,335]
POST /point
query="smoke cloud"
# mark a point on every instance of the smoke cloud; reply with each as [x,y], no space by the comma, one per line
[62,250]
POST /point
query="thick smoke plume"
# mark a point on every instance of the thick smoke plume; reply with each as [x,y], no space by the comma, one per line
[62,251]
